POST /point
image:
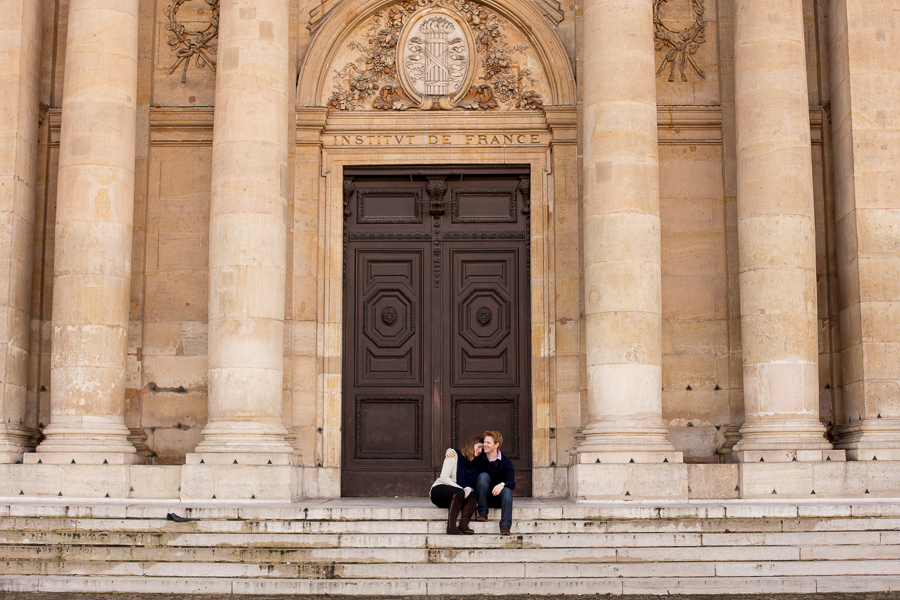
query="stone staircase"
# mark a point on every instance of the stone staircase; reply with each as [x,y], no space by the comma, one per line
[397,547]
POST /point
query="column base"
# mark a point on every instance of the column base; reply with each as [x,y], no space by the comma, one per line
[870,439]
[14,443]
[783,456]
[782,436]
[633,442]
[241,482]
[628,481]
[244,443]
[85,440]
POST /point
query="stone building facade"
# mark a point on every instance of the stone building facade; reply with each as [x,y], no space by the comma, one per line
[698,295]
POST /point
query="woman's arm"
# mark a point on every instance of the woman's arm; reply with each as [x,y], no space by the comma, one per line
[448,470]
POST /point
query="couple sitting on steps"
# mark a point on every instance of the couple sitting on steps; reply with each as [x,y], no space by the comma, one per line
[476,475]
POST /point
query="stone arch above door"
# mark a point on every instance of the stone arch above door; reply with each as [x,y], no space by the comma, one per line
[506,54]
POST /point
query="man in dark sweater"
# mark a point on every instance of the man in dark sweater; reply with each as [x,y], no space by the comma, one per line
[496,482]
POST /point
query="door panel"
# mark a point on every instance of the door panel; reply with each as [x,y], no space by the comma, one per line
[390,347]
[436,328]
[484,336]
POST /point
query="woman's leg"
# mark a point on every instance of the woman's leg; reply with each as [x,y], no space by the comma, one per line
[456,504]
[468,509]
[441,495]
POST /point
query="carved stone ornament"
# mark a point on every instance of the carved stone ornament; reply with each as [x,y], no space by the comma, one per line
[436,56]
[198,44]
[389,316]
[431,55]
[680,45]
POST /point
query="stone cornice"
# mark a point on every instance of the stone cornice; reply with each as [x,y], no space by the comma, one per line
[689,124]
[676,124]
[181,126]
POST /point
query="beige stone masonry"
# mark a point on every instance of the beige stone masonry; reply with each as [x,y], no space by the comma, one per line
[20,48]
[94,215]
[621,229]
[247,241]
[776,232]
[866,124]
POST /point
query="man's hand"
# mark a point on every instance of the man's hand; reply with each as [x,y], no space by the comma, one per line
[467,491]
[450,453]
[497,489]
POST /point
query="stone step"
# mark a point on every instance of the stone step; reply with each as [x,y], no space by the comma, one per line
[421,555]
[224,555]
[546,526]
[459,587]
[531,511]
[538,570]
[600,540]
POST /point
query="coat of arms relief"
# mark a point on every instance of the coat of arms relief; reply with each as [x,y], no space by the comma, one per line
[437,55]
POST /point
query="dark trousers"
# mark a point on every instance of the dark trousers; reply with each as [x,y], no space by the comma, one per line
[441,495]
[504,501]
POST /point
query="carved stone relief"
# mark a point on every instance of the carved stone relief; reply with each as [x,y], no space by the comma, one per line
[198,43]
[680,45]
[437,55]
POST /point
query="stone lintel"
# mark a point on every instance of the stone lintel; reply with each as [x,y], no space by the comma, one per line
[873,454]
[626,457]
[82,458]
[9,457]
[243,458]
[782,456]
[241,482]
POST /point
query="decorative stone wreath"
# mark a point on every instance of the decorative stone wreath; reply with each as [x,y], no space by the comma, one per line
[683,44]
[199,45]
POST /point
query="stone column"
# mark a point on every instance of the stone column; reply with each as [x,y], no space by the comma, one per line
[622,244]
[776,236]
[247,241]
[20,50]
[866,125]
[95,206]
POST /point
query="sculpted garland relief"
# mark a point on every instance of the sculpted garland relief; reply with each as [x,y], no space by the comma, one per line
[435,55]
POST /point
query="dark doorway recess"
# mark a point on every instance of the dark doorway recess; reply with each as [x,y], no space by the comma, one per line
[436,322]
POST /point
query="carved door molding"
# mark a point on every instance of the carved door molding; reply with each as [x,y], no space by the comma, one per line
[436,322]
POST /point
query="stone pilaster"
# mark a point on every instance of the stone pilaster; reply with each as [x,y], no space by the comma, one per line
[622,245]
[776,236]
[20,45]
[247,247]
[95,207]
[866,126]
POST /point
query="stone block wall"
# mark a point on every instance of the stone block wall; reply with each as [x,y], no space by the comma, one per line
[702,382]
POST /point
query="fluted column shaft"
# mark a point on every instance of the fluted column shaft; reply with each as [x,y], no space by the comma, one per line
[776,230]
[94,216]
[622,277]
[247,249]
[20,50]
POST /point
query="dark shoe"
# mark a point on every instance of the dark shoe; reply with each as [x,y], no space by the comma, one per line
[481,517]
[456,505]
[467,510]
[504,530]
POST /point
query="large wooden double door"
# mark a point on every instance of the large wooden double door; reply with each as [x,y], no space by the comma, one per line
[436,322]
